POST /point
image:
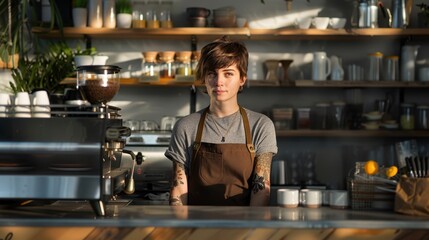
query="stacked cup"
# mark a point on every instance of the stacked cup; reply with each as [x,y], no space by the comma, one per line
[40,104]
[4,104]
[32,105]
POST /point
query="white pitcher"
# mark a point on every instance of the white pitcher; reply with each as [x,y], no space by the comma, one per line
[337,73]
[321,66]
[408,62]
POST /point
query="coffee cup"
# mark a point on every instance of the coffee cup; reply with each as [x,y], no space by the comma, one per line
[288,198]
[320,22]
[22,105]
[311,198]
[4,104]
[41,107]
[338,199]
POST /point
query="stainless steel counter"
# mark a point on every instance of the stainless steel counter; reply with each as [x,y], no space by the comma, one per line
[124,214]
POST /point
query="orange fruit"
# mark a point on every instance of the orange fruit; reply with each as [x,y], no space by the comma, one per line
[371,167]
[391,171]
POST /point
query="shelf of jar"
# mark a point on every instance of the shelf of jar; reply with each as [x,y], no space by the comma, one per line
[210,32]
[353,133]
[139,81]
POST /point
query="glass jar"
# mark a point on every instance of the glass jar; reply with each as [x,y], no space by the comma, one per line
[167,67]
[337,115]
[319,116]
[139,18]
[184,67]
[423,117]
[391,68]
[150,66]
[407,116]
[375,66]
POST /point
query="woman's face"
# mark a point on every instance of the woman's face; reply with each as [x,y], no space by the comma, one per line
[224,83]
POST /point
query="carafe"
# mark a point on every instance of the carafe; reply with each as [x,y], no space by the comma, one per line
[400,16]
[321,66]
[408,62]
[337,73]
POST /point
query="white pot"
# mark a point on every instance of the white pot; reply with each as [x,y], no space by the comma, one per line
[80,16]
[99,60]
[123,20]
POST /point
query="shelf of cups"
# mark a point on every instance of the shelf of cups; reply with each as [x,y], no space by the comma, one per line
[139,82]
[210,32]
[363,84]
[382,133]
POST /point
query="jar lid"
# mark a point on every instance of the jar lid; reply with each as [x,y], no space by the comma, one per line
[392,57]
[99,69]
[376,54]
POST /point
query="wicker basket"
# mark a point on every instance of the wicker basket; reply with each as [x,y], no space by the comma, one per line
[368,194]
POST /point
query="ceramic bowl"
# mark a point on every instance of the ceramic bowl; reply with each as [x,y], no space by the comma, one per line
[303,23]
[337,23]
[373,115]
[320,22]
[371,125]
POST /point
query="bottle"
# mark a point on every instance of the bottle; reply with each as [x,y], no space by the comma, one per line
[372,14]
[363,9]
[354,19]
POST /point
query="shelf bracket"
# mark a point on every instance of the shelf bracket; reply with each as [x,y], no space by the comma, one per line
[193,100]
[193,43]
[88,42]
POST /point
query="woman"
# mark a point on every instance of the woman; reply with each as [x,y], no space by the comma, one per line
[222,154]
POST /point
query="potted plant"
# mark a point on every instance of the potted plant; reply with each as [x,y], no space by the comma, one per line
[44,71]
[16,21]
[423,15]
[80,13]
[123,13]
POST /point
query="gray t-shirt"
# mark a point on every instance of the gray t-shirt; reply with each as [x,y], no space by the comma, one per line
[185,131]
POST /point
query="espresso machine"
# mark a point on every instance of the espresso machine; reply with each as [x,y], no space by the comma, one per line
[73,155]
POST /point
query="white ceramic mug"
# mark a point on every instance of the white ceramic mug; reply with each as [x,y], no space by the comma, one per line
[40,102]
[4,104]
[338,199]
[287,197]
[320,22]
[22,105]
[303,23]
[321,66]
[311,198]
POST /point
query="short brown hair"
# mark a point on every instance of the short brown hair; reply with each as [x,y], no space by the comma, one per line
[222,53]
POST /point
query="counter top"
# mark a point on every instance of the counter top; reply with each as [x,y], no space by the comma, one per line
[125,214]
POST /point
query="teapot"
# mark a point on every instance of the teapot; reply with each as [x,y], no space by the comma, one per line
[321,66]
[337,72]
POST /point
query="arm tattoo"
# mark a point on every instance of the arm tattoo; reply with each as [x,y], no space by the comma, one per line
[179,170]
[262,172]
[175,201]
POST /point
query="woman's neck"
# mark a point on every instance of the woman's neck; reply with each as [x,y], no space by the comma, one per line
[223,110]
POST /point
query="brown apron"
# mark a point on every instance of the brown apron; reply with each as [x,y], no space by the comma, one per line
[221,174]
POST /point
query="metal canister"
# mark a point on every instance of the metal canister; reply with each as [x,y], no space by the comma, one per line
[422,117]
[375,66]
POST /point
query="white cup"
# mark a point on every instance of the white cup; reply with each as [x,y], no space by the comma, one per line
[4,104]
[22,105]
[338,199]
[424,74]
[303,23]
[287,197]
[41,107]
[320,22]
[311,198]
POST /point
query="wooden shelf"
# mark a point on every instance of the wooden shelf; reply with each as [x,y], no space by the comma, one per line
[292,84]
[209,33]
[382,133]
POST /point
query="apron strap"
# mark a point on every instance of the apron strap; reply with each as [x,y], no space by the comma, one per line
[248,133]
[197,142]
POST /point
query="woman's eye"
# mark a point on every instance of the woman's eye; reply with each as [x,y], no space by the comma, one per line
[229,74]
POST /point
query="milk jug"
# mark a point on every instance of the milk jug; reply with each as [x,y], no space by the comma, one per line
[337,73]
[321,66]
[408,62]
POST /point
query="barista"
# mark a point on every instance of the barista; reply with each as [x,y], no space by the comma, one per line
[222,154]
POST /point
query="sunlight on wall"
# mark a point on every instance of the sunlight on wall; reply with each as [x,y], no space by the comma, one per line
[285,20]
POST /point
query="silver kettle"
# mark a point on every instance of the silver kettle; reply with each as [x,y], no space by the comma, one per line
[401,10]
